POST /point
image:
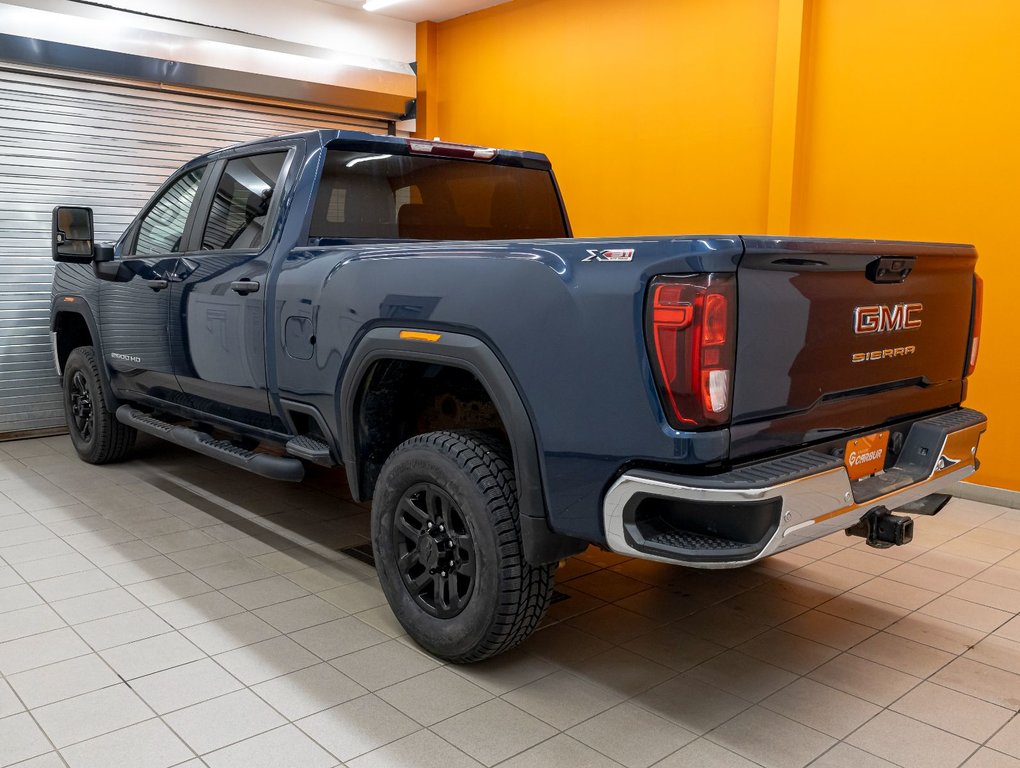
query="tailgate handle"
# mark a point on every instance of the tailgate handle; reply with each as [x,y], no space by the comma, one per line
[890,269]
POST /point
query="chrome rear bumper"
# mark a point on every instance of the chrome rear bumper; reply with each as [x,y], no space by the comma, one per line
[814,503]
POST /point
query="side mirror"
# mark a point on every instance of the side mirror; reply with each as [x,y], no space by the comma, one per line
[72,234]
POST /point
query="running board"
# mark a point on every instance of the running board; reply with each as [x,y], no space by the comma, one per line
[264,464]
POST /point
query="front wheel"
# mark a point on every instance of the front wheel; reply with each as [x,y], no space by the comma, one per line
[448,550]
[97,435]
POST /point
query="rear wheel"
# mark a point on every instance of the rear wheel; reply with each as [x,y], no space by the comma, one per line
[97,435]
[448,549]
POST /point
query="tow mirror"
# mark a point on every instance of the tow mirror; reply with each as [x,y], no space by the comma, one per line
[72,234]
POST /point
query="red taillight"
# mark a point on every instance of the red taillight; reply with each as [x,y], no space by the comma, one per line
[975,326]
[691,337]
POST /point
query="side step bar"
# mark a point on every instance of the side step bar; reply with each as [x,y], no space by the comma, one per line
[273,467]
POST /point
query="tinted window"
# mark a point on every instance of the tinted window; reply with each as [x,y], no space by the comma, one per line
[240,206]
[163,226]
[428,198]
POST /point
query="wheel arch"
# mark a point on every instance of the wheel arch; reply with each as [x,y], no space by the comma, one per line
[471,354]
[67,317]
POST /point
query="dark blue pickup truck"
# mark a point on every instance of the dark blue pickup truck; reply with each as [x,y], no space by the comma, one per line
[418,313]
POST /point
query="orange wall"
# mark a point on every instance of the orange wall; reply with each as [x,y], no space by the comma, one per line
[657,115]
[913,132]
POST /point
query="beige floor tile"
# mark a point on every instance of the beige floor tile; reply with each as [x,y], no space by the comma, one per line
[865,679]
[232,573]
[742,675]
[259,594]
[73,585]
[434,696]
[832,575]
[674,648]
[178,541]
[356,596]
[790,652]
[9,703]
[63,680]
[989,758]
[229,633]
[307,691]
[503,673]
[154,654]
[614,624]
[122,628]
[911,743]
[21,739]
[283,746]
[563,699]
[421,750]
[973,615]
[860,560]
[691,703]
[623,671]
[953,711]
[1010,630]
[28,621]
[91,714]
[203,557]
[166,589]
[989,683]
[722,625]
[357,726]
[219,722]
[938,633]
[1001,576]
[705,754]
[39,650]
[998,652]
[991,595]
[765,609]
[199,609]
[842,755]
[974,550]
[931,579]
[631,735]
[471,732]
[863,610]
[560,751]
[97,605]
[1008,739]
[886,590]
[563,644]
[801,591]
[149,744]
[818,706]
[182,686]
[391,662]
[300,613]
[145,569]
[660,605]
[121,553]
[50,567]
[770,739]
[337,638]
[903,654]
[263,661]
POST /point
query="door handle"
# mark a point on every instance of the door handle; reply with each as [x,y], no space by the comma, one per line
[244,287]
[157,285]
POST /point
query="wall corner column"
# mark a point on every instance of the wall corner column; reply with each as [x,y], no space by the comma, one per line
[426,43]
[791,58]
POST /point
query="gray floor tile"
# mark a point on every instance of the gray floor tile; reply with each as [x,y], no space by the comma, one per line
[29,621]
[419,750]
[91,714]
[40,650]
[357,726]
[337,638]
[21,739]
[472,731]
[911,743]
[182,686]
[143,657]
[307,691]
[434,696]
[263,661]
[149,744]
[222,721]
[631,735]
[63,680]
[9,703]
[229,633]
[122,628]
[770,739]
[272,749]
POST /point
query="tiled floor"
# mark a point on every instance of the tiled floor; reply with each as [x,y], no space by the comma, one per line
[174,611]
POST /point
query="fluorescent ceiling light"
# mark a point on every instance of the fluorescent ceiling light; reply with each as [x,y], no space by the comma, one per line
[375,5]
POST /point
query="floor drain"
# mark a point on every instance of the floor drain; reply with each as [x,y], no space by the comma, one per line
[362,552]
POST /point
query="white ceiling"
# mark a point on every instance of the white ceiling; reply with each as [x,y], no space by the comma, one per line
[424,10]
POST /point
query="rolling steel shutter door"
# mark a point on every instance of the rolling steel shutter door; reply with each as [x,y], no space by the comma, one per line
[107,146]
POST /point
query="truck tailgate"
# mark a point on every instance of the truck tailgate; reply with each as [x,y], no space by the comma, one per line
[833,336]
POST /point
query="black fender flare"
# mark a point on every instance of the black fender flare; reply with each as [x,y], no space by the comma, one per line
[77,305]
[470,353]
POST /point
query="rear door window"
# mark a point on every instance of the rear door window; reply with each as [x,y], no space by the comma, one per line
[239,214]
[161,230]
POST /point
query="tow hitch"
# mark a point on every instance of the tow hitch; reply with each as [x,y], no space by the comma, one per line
[883,529]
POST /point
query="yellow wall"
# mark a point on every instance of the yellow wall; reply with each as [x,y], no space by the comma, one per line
[902,120]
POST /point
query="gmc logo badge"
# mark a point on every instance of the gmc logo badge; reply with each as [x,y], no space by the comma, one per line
[883,319]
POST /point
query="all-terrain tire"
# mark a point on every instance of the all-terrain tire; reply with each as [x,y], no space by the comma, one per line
[472,474]
[97,436]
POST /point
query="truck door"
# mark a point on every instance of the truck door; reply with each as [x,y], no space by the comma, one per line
[218,312]
[134,305]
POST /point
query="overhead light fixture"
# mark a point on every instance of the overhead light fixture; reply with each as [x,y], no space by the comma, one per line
[375,5]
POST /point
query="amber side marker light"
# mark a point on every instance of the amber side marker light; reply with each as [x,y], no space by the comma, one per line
[420,335]
[69,299]
[975,335]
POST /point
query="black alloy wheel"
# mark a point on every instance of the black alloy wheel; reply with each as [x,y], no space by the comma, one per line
[82,416]
[435,551]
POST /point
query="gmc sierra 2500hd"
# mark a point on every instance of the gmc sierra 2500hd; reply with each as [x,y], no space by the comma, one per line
[418,313]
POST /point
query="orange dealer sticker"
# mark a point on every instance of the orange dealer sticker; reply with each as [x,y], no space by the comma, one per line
[866,455]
